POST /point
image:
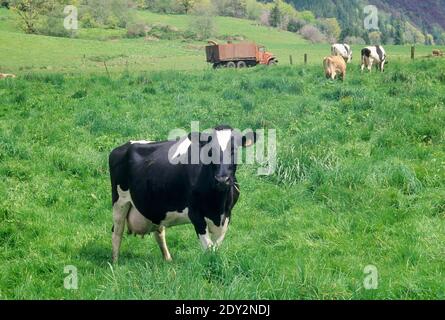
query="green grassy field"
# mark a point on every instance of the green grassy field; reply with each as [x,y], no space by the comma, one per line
[21,53]
[360,182]
[360,179]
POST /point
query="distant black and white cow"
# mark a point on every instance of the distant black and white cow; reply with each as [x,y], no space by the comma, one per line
[374,55]
[156,185]
[342,50]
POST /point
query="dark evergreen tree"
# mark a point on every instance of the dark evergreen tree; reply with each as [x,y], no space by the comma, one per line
[399,30]
[275,16]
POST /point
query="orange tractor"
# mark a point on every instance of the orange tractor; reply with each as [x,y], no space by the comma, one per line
[238,55]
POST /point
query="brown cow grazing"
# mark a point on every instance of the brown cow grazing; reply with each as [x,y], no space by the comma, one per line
[7,75]
[333,66]
[437,53]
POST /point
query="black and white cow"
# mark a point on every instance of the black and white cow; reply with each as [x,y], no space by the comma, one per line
[156,185]
[374,55]
[342,50]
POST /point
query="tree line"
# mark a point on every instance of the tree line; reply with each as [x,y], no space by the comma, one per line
[316,21]
[393,28]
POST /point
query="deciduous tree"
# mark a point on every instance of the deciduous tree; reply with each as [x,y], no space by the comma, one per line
[30,12]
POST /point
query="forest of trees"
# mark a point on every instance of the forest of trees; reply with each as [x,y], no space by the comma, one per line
[315,20]
[395,23]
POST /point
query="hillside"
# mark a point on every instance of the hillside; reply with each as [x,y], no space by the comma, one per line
[427,15]
[423,13]
[38,53]
[84,53]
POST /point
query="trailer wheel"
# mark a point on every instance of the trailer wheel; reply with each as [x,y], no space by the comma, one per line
[231,64]
[272,62]
[216,65]
[241,64]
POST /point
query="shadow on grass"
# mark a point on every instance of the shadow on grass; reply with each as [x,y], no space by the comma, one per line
[100,254]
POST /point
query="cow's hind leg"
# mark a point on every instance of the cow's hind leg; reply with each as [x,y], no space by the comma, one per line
[160,239]
[120,211]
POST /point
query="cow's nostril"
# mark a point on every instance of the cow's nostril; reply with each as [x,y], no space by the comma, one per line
[223,179]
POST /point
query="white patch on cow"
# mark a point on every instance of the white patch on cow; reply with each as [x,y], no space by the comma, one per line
[218,232]
[205,241]
[182,148]
[223,137]
[176,218]
[136,222]
[141,142]
[343,50]
[123,195]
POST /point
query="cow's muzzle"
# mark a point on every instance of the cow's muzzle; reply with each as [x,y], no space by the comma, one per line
[222,182]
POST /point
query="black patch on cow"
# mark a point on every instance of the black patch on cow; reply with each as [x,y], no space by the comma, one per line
[346,48]
[380,53]
[366,52]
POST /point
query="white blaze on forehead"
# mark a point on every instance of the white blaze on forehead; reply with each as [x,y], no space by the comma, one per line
[182,148]
[223,137]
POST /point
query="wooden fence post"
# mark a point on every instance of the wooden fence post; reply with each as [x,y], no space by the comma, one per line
[291,60]
[305,58]
[413,52]
[106,68]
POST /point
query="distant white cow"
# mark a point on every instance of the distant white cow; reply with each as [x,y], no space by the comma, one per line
[342,50]
[7,75]
[374,55]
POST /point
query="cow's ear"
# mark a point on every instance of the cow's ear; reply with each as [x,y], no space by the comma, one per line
[203,138]
[249,139]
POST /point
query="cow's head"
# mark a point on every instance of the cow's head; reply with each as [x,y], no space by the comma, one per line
[348,53]
[219,152]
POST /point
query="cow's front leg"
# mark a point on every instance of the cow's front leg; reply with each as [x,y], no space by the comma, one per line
[206,242]
[218,231]
[160,239]
[370,66]
[201,230]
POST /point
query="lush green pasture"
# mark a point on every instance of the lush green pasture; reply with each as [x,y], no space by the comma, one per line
[21,53]
[360,181]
